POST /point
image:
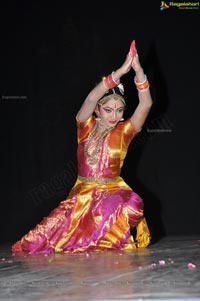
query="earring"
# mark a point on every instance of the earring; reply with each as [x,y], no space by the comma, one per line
[98,118]
[122,119]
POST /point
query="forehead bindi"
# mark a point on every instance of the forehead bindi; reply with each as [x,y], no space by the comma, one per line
[113,104]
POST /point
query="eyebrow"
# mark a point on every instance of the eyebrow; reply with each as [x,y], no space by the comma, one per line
[113,108]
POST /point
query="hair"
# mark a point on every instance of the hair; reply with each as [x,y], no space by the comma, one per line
[114,96]
[114,93]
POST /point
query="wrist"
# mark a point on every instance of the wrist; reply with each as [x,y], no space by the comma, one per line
[140,75]
[117,74]
[111,81]
[142,85]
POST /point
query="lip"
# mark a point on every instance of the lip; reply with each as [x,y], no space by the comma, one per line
[112,122]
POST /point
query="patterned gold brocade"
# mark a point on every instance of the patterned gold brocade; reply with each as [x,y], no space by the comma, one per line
[100,209]
[96,180]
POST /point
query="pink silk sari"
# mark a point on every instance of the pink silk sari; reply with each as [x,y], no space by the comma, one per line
[100,209]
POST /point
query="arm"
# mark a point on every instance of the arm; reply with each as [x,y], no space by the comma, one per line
[145,101]
[91,100]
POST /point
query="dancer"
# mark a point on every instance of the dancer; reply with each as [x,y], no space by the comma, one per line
[101,208]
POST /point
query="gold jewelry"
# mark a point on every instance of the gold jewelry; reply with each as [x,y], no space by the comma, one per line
[143,86]
[96,180]
[93,155]
[110,82]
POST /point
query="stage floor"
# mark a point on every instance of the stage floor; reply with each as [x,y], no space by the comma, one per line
[166,270]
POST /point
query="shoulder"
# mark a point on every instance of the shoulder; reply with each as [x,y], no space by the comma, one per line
[126,126]
[126,130]
[86,123]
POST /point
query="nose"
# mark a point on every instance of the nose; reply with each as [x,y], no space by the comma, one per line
[114,115]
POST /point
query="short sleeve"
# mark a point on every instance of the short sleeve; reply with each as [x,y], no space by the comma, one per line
[85,127]
[128,131]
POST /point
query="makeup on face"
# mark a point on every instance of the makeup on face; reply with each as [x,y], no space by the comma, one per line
[111,112]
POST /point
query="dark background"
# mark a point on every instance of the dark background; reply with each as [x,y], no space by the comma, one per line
[52,55]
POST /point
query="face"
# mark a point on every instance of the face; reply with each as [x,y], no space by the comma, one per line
[111,112]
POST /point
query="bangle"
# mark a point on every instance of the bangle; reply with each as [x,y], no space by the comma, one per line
[116,82]
[110,82]
[143,90]
[135,80]
[143,86]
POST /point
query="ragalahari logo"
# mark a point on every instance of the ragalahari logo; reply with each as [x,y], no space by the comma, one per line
[164,5]
[180,5]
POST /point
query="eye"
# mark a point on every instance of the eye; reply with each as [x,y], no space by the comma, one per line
[120,110]
[107,110]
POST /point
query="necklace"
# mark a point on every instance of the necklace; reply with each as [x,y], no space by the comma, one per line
[93,155]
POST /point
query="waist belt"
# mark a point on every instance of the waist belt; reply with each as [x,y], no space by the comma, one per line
[97,180]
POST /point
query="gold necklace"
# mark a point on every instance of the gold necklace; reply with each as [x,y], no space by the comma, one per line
[93,155]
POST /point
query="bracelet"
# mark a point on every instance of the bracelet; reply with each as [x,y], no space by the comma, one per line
[143,86]
[143,90]
[116,82]
[135,80]
[110,82]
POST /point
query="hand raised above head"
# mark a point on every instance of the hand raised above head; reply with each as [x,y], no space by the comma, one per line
[126,66]
[135,64]
[133,49]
